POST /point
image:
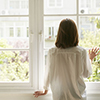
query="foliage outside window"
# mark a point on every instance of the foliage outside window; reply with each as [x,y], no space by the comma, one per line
[13,64]
[92,39]
[14,43]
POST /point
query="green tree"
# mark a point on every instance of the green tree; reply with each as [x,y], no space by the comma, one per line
[11,66]
[92,39]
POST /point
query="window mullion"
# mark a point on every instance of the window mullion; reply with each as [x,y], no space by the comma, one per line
[14,15]
[40,42]
[77,12]
[33,43]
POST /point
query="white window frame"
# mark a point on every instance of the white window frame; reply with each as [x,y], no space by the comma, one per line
[35,34]
[36,49]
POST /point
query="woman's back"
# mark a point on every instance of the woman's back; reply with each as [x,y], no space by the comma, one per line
[66,72]
[67,64]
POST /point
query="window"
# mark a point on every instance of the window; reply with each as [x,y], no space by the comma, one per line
[55,3]
[89,6]
[18,32]
[59,3]
[51,31]
[24,4]
[88,3]
[14,4]
[1,31]
[27,31]
[85,3]
[51,3]
[15,63]
[17,4]
[98,3]
[82,3]
[24,44]
[11,31]
[15,7]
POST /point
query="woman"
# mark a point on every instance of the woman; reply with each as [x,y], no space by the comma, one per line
[67,65]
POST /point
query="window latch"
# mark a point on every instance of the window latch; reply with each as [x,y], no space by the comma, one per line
[40,35]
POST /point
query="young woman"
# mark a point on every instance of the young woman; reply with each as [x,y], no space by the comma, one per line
[67,65]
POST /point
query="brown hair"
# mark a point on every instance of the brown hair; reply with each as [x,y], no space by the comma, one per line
[67,34]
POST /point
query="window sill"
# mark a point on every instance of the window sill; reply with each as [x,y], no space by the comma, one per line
[28,95]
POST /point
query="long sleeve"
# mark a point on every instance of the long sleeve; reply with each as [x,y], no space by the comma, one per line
[87,69]
[46,75]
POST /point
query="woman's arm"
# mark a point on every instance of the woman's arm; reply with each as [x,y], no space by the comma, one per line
[40,93]
[87,69]
[46,79]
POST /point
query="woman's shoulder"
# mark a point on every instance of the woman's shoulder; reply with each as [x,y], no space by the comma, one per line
[80,48]
[77,49]
[52,49]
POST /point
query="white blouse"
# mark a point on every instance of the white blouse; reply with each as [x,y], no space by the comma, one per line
[65,71]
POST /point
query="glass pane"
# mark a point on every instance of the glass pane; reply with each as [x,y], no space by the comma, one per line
[14,66]
[14,32]
[89,31]
[89,6]
[45,56]
[90,37]
[59,6]
[51,25]
[45,60]
[14,7]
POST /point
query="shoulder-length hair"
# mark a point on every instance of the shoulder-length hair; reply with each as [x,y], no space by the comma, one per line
[67,34]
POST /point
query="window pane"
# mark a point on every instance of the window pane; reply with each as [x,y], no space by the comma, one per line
[59,7]
[14,66]
[51,3]
[11,33]
[14,32]
[45,56]
[24,4]
[89,6]
[90,31]
[14,4]
[59,2]
[51,25]
[90,37]
[14,7]
[27,31]
[1,31]
[98,3]
[18,32]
